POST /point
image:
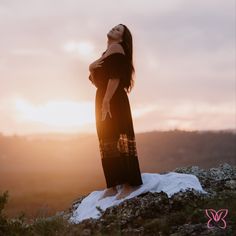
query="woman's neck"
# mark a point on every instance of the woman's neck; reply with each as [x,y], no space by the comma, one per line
[111,42]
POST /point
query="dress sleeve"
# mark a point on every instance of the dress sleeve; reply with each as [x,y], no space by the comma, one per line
[116,66]
[90,77]
[93,82]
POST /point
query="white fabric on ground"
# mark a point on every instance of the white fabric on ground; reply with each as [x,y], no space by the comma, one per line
[170,183]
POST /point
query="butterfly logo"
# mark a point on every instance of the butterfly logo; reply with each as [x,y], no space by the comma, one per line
[216,218]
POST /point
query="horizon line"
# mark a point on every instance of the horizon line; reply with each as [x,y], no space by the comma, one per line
[233,130]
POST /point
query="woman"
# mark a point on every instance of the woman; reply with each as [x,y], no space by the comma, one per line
[112,76]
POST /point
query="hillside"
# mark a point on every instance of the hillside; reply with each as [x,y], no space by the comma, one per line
[44,173]
[150,213]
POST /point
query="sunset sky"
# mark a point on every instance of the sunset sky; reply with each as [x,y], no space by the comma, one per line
[184,57]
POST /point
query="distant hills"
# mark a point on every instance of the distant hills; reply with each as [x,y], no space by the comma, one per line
[39,168]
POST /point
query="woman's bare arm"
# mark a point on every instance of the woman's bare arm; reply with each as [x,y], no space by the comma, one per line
[111,88]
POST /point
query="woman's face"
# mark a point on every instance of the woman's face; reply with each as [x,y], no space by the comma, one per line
[116,32]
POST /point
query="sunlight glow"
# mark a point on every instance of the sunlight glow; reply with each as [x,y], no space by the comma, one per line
[138,112]
[56,113]
[64,113]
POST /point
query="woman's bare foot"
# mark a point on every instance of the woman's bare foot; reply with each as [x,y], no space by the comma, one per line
[126,190]
[109,192]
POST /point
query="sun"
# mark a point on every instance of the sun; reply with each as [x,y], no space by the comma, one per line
[56,113]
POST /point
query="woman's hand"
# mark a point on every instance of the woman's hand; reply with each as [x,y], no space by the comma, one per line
[95,64]
[105,109]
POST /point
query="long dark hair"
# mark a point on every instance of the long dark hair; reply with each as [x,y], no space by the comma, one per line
[127,43]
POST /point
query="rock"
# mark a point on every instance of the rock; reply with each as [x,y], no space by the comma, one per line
[153,213]
[86,232]
[231,184]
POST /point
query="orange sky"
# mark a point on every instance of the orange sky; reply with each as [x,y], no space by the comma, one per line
[184,56]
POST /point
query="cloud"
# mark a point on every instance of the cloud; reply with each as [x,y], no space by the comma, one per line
[184,50]
[83,49]
[30,52]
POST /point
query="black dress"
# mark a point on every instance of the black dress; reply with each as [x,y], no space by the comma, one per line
[116,134]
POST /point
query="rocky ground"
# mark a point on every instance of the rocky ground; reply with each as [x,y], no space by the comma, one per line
[156,214]
[183,214]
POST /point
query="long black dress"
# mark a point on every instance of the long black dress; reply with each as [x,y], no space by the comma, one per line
[116,134]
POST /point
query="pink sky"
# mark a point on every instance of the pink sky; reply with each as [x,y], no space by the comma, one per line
[184,56]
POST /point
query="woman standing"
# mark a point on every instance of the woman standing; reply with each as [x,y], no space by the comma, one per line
[112,74]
